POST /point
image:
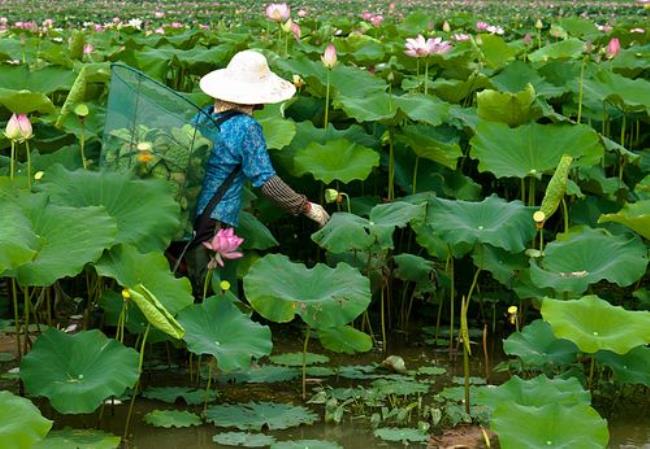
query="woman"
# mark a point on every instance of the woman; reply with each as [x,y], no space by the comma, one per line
[239,152]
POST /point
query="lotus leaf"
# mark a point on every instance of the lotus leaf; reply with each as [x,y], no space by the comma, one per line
[305,444]
[79,439]
[278,132]
[263,374]
[155,313]
[243,439]
[404,435]
[536,346]
[338,159]
[388,387]
[513,109]
[278,289]
[431,370]
[78,372]
[629,95]
[635,216]
[149,225]
[436,144]
[170,395]
[255,234]
[296,359]
[493,221]
[25,101]
[593,324]
[536,392]
[172,418]
[423,108]
[259,415]
[582,259]
[567,49]
[21,423]
[130,268]
[374,107]
[345,339]
[532,149]
[516,76]
[504,266]
[630,368]
[217,327]
[18,242]
[554,425]
[413,268]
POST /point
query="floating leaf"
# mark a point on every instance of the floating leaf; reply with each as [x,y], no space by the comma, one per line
[305,444]
[217,327]
[243,439]
[172,418]
[338,159]
[536,346]
[630,368]
[296,359]
[345,339]
[278,289]
[388,387]
[593,324]
[404,435]
[635,216]
[191,396]
[78,372]
[79,439]
[263,374]
[259,415]
[21,423]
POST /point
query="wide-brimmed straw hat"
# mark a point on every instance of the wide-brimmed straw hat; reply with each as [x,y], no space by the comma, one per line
[247,80]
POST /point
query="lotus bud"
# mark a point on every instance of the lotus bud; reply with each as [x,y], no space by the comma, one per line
[331,196]
[527,39]
[286,26]
[18,128]
[278,12]
[512,314]
[539,218]
[613,48]
[297,32]
[329,56]
[539,24]
[446,27]
[298,81]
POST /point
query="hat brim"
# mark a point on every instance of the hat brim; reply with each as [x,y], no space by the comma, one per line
[221,84]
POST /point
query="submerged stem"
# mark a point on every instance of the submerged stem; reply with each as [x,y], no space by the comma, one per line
[304,363]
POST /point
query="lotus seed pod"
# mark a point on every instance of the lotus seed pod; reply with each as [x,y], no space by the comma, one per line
[331,195]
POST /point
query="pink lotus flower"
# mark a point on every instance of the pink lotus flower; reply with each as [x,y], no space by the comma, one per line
[613,48]
[159,30]
[203,26]
[376,20]
[225,244]
[88,49]
[329,56]
[159,14]
[461,37]
[18,128]
[99,28]
[366,15]
[482,26]
[295,29]
[494,29]
[637,30]
[421,48]
[48,23]
[176,25]
[278,12]
[302,13]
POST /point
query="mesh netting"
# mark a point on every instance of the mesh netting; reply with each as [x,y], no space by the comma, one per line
[150,132]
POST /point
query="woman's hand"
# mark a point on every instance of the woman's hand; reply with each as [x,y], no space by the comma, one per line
[317,213]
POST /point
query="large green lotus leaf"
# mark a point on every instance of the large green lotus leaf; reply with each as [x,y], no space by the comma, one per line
[401,434]
[18,242]
[493,221]
[191,396]
[536,346]
[574,263]
[438,145]
[21,423]
[298,358]
[78,372]
[384,218]
[423,108]
[244,439]
[413,268]
[338,159]
[256,415]
[567,49]
[375,107]
[456,90]
[512,109]
[532,149]
[344,232]
[146,214]
[516,76]
[25,101]
[630,368]
[79,439]
[255,234]
[172,418]
[535,392]
[593,324]
[554,425]
[68,239]
[217,327]
[635,216]
[278,131]
[496,51]
[278,289]
[503,265]
[629,95]
[130,268]
[305,444]
[46,80]
[345,339]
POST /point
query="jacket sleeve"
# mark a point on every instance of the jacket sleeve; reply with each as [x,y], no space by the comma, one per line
[256,162]
[284,196]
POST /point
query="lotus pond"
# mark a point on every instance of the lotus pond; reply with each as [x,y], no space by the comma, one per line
[482,282]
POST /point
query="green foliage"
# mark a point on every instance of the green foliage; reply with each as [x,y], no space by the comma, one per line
[403,435]
[257,415]
[79,439]
[243,439]
[172,418]
[536,346]
[21,423]
[191,396]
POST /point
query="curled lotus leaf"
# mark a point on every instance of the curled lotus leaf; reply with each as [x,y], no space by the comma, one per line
[77,373]
[217,327]
[512,109]
[323,297]
[191,396]
[21,423]
[635,216]
[156,313]
[574,263]
[593,324]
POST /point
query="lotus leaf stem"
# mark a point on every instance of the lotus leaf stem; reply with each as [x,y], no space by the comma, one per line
[26,306]
[415,175]
[426,77]
[581,88]
[82,146]
[327,101]
[391,167]
[383,318]
[486,353]
[565,214]
[137,384]
[452,293]
[14,295]
[207,388]
[531,191]
[592,366]
[304,363]
[29,165]
[206,283]
[12,162]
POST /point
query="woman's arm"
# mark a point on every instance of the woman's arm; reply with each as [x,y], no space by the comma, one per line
[284,196]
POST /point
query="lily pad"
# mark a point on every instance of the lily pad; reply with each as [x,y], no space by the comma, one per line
[279,289]
[21,423]
[630,368]
[259,415]
[172,418]
[79,439]
[532,149]
[262,374]
[305,444]
[78,372]
[243,439]
[386,387]
[296,359]
[593,255]
[191,396]
[217,327]
[404,435]
[635,216]
[536,346]
[593,324]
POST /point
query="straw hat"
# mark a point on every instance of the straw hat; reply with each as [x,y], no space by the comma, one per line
[247,80]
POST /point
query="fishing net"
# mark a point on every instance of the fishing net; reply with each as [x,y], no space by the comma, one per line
[150,131]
